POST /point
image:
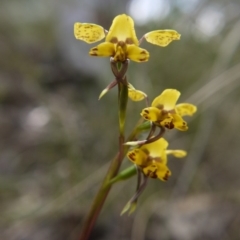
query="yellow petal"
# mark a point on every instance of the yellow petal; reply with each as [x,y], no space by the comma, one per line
[184,109]
[103,50]
[167,122]
[88,32]
[137,54]
[163,172]
[138,156]
[136,95]
[177,153]
[167,99]
[122,29]
[151,171]
[162,37]
[179,123]
[156,150]
[155,170]
[151,113]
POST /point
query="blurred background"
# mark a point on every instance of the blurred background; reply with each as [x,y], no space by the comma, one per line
[57,139]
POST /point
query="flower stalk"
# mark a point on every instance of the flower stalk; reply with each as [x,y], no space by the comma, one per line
[119,72]
[105,187]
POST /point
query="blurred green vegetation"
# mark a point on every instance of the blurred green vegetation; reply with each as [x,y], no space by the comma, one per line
[57,138]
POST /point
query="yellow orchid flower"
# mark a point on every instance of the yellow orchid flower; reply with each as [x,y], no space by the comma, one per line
[152,158]
[164,111]
[121,42]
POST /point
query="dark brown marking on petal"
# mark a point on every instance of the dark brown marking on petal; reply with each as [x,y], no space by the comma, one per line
[145,151]
[172,111]
[132,156]
[149,159]
[160,106]
[93,54]
[169,125]
[146,111]
[142,59]
[152,174]
[129,41]
[114,40]
[95,49]
[164,112]
[157,159]
[166,176]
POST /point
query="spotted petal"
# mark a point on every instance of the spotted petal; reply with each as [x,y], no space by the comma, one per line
[138,156]
[167,100]
[162,37]
[105,49]
[137,54]
[88,32]
[163,172]
[167,122]
[156,170]
[122,29]
[179,123]
[151,114]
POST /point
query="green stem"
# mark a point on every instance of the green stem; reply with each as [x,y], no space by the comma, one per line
[99,199]
[113,169]
[122,105]
[105,188]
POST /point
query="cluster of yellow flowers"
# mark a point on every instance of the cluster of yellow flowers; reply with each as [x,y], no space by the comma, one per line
[163,113]
[122,45]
